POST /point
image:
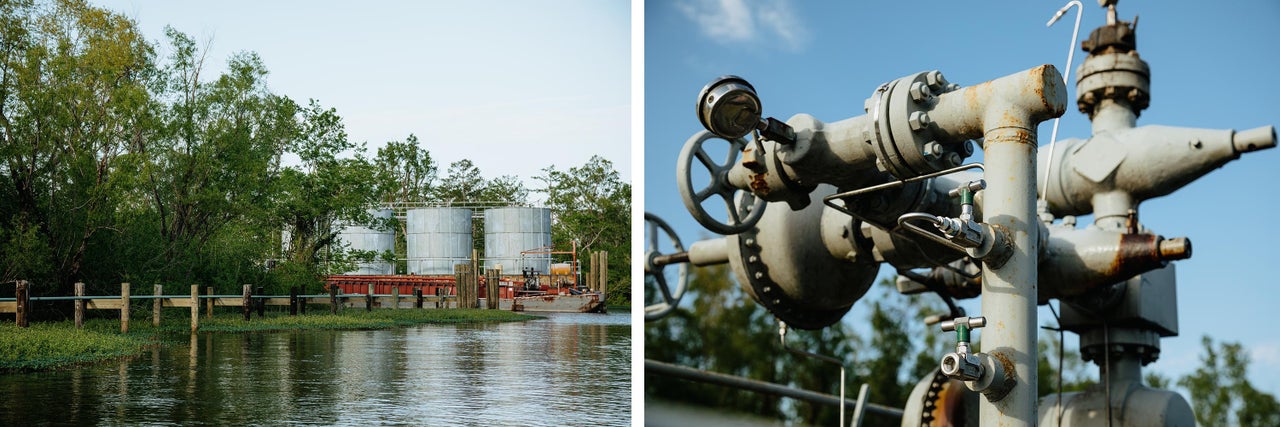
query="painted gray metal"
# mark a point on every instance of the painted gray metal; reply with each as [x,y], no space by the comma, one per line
[436,239]
[1117,169]
[362,238]
[509,231]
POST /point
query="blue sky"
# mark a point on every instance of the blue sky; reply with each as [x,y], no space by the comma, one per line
[1213,66]
[513,86]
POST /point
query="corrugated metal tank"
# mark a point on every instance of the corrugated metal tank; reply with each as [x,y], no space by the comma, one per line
[436,239]
[361,238]
[508,231]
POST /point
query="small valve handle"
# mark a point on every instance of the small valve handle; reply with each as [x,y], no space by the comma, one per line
[962,326]
[965,192]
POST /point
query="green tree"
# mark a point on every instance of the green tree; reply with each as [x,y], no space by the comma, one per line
[73,98]
[720,329]
[592,205]
[463,183]
[324,190]
[506,188]
[212,162]
[406,172]
[1221,393]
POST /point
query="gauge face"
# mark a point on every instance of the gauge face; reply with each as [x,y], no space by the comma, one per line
[735,114]
[729,107]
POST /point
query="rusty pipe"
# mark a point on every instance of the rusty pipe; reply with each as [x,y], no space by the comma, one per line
[1078,260]
[1074,261]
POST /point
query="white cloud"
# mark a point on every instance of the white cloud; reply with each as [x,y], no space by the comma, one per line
[747,21]
[1267,354]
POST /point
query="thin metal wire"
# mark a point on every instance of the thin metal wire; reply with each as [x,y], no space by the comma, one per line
[1061,351]
[1106,357]
[1066,80]
[782,337]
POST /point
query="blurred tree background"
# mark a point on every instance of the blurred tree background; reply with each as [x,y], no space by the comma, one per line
[720,329]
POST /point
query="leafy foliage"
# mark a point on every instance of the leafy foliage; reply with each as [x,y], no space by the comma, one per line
[1222,395]
[591,204]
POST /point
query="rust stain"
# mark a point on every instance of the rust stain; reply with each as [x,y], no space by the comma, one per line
[1136,252]
[759,185]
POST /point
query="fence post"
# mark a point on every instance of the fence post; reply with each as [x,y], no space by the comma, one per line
[23,299]
[261,304]
[195,309]
[368,299]
[79,305]
[333,298]
[208,291]
[247,301]
[124,307]
[293,300]
[395,297]
[155,305]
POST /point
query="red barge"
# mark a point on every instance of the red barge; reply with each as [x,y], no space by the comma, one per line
[516,293]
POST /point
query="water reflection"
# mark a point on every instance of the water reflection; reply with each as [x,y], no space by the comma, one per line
[565,370]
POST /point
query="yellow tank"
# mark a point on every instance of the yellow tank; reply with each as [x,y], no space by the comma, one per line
[561,269]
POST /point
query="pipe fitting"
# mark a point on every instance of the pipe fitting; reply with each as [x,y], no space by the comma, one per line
[998,376]
[1259,138]
[961,366]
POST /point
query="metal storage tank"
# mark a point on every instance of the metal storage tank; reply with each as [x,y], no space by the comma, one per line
[361,238]
[508,231]
[436,239]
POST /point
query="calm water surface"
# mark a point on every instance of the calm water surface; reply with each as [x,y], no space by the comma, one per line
[568,369]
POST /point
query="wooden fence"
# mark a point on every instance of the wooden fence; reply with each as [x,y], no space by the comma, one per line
[248,300]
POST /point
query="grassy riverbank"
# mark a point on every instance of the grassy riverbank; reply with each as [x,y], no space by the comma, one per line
[54,345]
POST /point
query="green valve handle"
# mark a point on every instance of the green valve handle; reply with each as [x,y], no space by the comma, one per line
[965,192]
[962,326]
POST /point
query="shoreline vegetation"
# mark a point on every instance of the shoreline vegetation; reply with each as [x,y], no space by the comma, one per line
[57,345]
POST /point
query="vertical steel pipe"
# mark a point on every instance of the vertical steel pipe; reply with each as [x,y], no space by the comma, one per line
[1014,105]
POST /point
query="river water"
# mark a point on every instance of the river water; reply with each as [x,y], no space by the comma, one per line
[568,369]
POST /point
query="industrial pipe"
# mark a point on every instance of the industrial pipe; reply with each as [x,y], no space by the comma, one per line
[1116,170]
[1005,112]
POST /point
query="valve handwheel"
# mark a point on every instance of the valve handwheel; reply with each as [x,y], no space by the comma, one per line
[719,186]
[670,296]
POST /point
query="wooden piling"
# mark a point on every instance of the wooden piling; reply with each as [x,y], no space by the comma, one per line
[395,297]
[247,302]
[293,300]
[491,282]
[602,284]
[208,291]
[79,306]
[333,299]
[417,296]
[158,290]
[368,299]
[124,307]
[195,310]
[261,304]
[594,261]
[22,294]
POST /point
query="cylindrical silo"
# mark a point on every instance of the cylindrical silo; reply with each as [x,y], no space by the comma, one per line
[436,239]
[509,231]
[377,240]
